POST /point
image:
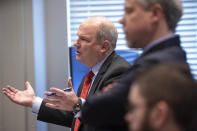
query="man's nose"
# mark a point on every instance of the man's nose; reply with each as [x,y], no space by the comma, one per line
[121,21]
[76,43]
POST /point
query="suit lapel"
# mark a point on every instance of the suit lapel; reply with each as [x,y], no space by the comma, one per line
[102,70]
[81,86]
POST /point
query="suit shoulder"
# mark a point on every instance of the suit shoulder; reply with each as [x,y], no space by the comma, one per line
[117,59]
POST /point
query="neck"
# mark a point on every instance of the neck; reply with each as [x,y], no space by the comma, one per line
[99,59]
[159,30]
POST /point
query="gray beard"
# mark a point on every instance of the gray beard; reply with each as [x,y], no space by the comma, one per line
[145,126]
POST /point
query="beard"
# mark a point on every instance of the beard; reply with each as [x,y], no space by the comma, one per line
[132,44]
[129,43]
[145,125]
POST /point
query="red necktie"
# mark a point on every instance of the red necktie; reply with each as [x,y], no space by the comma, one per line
[86,86]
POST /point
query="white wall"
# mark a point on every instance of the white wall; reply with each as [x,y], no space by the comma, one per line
[56,45]
[17,58]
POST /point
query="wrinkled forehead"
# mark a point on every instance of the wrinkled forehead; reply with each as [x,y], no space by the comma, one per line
[87,28]
[133,3]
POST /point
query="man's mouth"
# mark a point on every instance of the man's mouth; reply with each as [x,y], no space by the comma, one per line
[77,52]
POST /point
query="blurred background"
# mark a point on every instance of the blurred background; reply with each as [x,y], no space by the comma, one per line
[36,39]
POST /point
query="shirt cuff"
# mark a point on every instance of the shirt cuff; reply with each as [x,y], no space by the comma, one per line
[79,113]
[36,105]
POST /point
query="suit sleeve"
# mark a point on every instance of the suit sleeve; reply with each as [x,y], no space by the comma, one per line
[55,116]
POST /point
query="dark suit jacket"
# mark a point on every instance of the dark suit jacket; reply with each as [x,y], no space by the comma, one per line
[111,70]
[109,108]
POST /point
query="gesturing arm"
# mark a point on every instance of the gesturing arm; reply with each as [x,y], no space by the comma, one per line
[24,98]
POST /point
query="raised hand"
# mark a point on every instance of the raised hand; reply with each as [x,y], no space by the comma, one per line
[64,100]
[25,98]
[108,87]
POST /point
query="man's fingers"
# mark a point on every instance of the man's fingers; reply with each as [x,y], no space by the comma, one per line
[70,82]
[52,106]
[11,89]
[8,91]
[9,94]
[55,96]
[5,91]
[51,101]
[47,93]
[108,87]
[28,85]
[58,92]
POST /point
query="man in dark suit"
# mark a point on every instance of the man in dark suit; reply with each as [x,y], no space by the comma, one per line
[95,46]
[150,25]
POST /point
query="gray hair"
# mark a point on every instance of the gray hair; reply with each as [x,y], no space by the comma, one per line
[107,31]
[172,10]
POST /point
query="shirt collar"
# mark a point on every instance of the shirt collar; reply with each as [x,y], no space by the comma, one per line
[158,41]
[97,67]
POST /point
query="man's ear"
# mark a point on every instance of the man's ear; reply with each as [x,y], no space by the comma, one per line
[159,115]
[105,46]
[156,14]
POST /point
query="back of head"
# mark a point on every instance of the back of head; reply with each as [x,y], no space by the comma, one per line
[172,10]
[173,84]
[106,30]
